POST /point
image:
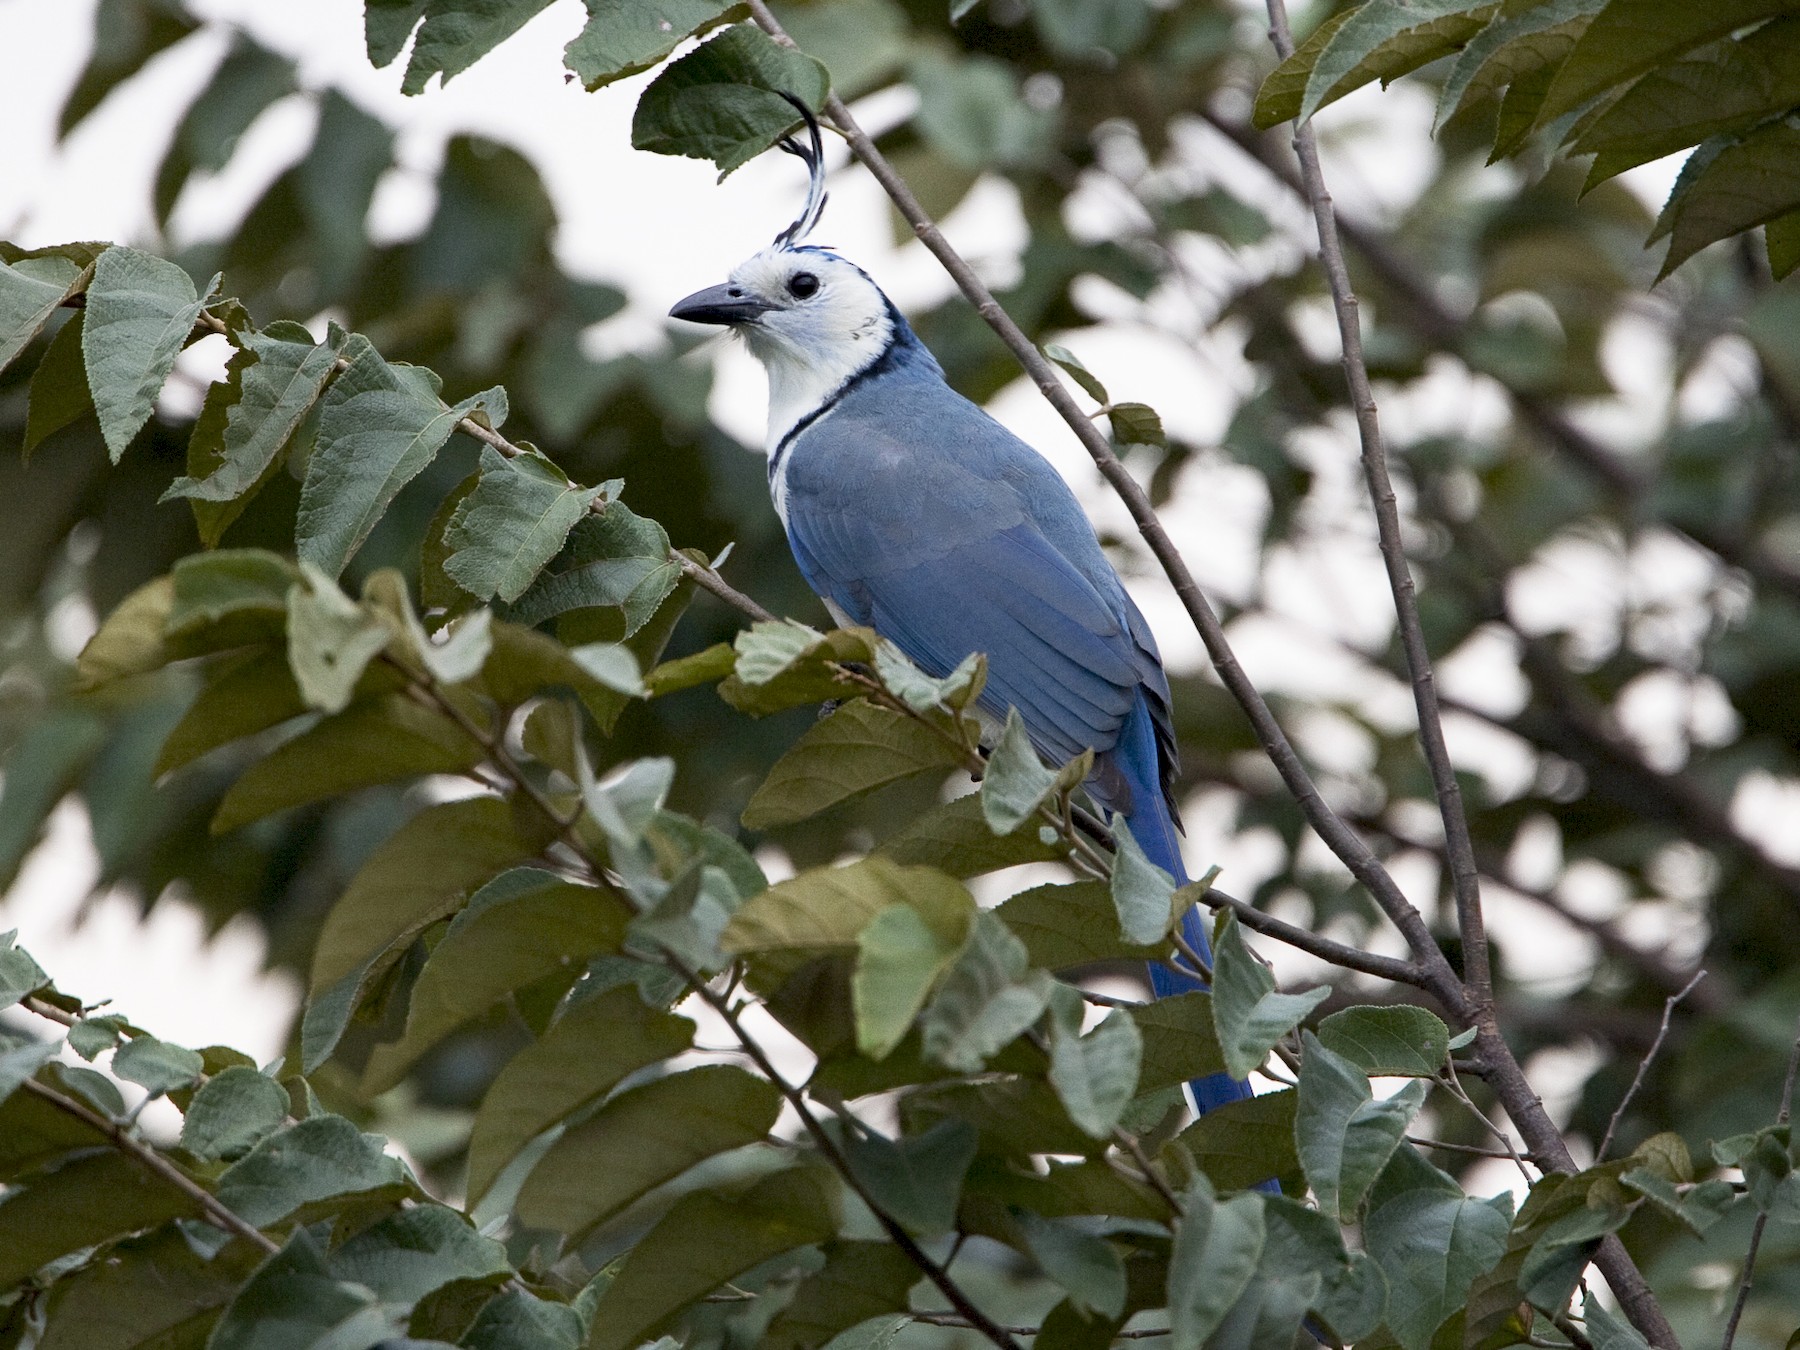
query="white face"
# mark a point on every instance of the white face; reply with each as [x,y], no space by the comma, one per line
[825,322]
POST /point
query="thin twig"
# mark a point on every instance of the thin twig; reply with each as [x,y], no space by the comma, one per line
[950,1319]
[215,1212]
[1662,1032]
[1473,1150]
[1331,827]
[1465,877]
[1762,1219]
[1336,953]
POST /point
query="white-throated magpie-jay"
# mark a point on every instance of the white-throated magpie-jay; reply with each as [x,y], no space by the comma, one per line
[912,511]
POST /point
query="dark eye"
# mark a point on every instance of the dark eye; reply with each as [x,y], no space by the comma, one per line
[802,284]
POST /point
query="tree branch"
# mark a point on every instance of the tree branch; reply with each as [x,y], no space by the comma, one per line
[1762,1219]
[1662,1033]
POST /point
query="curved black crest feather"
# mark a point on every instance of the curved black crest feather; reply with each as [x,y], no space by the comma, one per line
[812,155]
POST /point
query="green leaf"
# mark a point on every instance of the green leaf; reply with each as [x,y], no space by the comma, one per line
[522,665]
[519,1320]
[1511,47]
[1607,1331]
[857,749]
[127,33]
[1095,1075]
[294,1302]
[1089,382]
[83,1201]
[917,1178]
[1247,1012]
[1282,89]
[632,1144]
[241,697]
[140,311]
[615,569]
[1015,781]
[784,664]
[19,974]
[379,426]
[33,1133]
[899,956]
[144,1289]
[1179,1041]
[519,928]
[1345,1137]
[95,1035]
[955,839]
[331,640]
[1213,1257]
[706,1239]
[279,376]
[925,693]
[156,1065]
[861,42]
[372,741]
[1386,38]
[514,523]
[1142,893]
[1748,183]
[231,1112]
[722,101]
[580,1058]
[1248,1142]
[387,24]
[1087,1266]
[1629,37]
[687,672]
[1396,1039]
[416,1251]
[1781,237]
[984,1000]
[825,909]
[420,875]
[19,1062]
[59,388]
[314,1159]
[31,290]
[1431,1243]
[859,1280]
[623,38]
[973,112]
[1070,924]
[458,33]
[1137,424]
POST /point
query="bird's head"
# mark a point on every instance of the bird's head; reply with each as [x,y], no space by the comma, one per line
[813,319]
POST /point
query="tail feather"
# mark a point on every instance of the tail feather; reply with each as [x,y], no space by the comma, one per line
[1154,832]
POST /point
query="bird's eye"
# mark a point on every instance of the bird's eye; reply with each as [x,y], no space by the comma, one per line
[802,284]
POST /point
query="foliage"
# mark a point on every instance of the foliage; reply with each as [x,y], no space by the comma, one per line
[396,554]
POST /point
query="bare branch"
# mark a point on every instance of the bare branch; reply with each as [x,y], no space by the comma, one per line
[1662,1033]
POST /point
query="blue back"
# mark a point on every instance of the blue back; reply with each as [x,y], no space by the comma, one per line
[920,516]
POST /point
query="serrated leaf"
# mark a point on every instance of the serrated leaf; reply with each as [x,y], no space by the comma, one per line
[1087,1266]
[1747,183]
[31,290]
[626,1148]
[1142,893]
[984,1000]
[1431,1243]
[372,741]
[387,24]
[1216,1247]
[1089,382]
[1393,1039]
[294,1302]
[279,376]
[623,38]
[145,1288]
[379,426]
[19,973]
[580,1058]
[1095,1075]
[899,957]
[513,523]
[140,311]
[722,101]
[407,1255]
[1015,780]
[231,1112]
[521,927]
[916,1178]
[1344,1136]
[955,839]
[708,1238]
[1607,1331]
[1511,46]
[1179,1042]
[922,692]
[458,33]
[1137,424]
[1247,1012]
[156,1066]
[331,640]
[314,1159]
[857,749]
[1248,1142]
[1070,924]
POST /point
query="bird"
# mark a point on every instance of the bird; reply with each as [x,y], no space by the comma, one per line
[911,511]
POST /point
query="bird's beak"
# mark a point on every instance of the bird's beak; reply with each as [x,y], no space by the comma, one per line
[728,304]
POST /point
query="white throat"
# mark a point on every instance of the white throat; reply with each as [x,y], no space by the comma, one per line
[800,383]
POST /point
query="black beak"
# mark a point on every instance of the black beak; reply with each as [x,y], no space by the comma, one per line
[726,304]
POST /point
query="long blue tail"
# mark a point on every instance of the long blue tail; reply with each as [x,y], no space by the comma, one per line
[1154,830]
